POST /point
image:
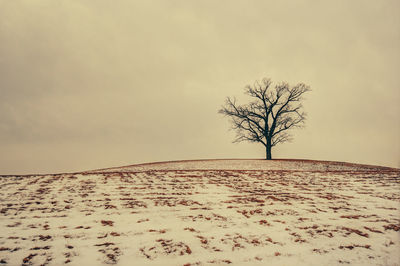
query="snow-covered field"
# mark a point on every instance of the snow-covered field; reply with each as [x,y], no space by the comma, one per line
[210,212]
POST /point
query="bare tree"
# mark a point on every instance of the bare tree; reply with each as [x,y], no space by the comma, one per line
[270,114]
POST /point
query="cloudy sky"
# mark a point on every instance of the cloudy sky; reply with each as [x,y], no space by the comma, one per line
[94,84]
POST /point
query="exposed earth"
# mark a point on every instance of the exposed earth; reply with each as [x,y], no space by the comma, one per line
[207,212]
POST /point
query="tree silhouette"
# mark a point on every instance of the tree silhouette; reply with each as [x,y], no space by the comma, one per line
[271,113]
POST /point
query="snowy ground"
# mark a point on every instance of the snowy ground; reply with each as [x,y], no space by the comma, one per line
[239,212]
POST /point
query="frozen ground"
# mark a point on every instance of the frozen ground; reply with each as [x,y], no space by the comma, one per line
[211,212]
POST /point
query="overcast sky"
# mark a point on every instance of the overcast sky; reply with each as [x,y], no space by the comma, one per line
[94,84]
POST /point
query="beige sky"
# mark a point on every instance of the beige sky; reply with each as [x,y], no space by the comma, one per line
[93,84]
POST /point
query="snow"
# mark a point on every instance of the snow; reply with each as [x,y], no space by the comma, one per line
[210,212]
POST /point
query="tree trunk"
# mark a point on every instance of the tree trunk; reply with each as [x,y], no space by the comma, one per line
[268,148]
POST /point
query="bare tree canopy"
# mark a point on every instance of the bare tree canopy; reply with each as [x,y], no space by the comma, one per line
[272,112]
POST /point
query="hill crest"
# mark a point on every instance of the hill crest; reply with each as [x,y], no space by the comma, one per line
[247,164]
